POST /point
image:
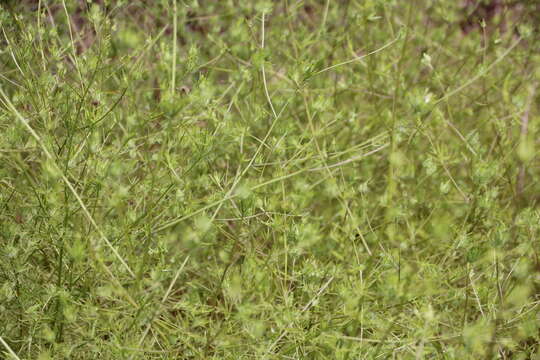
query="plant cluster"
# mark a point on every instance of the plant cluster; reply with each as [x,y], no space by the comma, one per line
[268,179]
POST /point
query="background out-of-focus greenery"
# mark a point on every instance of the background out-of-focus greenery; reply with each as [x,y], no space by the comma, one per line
[317,179]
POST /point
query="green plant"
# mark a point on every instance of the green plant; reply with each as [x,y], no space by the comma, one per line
[314,180]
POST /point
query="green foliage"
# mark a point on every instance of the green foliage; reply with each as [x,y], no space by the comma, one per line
[363,186]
